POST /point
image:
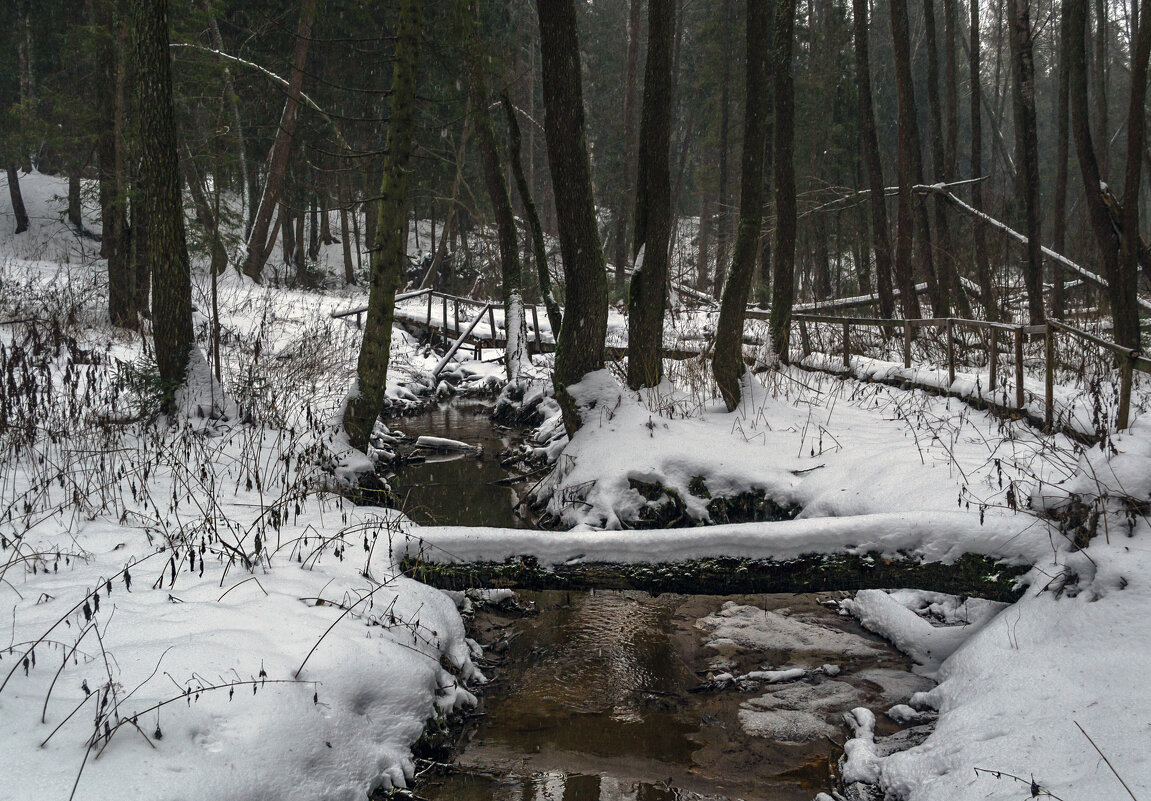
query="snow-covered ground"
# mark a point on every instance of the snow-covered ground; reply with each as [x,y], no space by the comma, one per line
[194,617]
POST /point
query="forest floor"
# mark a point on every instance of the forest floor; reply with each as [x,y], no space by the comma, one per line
[156,567]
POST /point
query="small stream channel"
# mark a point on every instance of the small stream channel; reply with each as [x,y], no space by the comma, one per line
[612,695]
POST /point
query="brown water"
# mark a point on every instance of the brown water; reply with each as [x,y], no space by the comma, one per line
[456,489]
[590,701]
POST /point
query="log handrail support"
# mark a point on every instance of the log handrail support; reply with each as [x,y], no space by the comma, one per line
[1128,360]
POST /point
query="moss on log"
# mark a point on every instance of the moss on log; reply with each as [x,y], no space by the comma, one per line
[971,575]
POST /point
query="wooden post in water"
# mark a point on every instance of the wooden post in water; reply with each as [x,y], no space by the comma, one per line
[1049,384]
[907,344]
[1019,367]
[950,352]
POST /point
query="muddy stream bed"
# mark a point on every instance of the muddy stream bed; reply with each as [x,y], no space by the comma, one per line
[622,696]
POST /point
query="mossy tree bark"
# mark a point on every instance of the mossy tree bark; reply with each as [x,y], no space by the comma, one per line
[727,363]
[648,293]
[783,166]
[165,249]
[580,344]
[389,250]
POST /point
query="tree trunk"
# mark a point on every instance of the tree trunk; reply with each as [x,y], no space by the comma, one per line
[619,240]
[510,267]
[237,124]
[941,297]
[345,201]
[1103,135]
[204,213]
[389,251]
[259,246]
[869,144]
[648,296]
[539,249]
[727,363]
[783,97]
[579,348]
[1062,134]
[1124,284]
[982,263]
[165,249]
[1027,152]
[908,142]
[723,201]
[17,199]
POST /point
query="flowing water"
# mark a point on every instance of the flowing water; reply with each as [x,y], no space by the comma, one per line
[599,696]
[456,489]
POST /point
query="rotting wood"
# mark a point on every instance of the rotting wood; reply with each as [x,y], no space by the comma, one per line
[971,575]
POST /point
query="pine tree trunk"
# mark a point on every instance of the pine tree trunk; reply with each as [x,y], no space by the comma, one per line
[345,201]
[1062,135]
[165,249]
[1027,152]
[389,251]
[783,97]
[941,298]
[727,363]
[620,217]
[579,348]
[982,263]
[723,200]
[869,144]
[648,296]
[1124,285]
[908,145]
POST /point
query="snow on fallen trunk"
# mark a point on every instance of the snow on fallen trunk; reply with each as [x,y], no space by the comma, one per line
[444,445]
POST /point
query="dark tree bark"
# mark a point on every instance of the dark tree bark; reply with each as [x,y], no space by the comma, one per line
[511,270]
[648,295]
[259,244]
[1124,284]
[539,249]
[783,98]
[580,347]
[1103,135]
[389,250]
[17,199]
[345,201]
[165,249]
[908,146]
[1062,135]
[723,201]
[944,262]
[1027,151]
[631,76]
[869,144]
[727,362]
[982,263]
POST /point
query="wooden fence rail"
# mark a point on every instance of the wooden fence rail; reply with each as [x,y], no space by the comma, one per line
[1128,360]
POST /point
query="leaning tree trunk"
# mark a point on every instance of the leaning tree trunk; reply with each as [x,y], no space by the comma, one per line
[648,296]
[259,244]
[389,251]
[727,363]
[539,249]
[783,272]
[1027,151]
[158,189]
[17,199]
[869,144]
[511,270]
[579,348]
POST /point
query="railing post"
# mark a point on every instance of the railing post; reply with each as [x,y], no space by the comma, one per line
[457,312]
[950,352]
[1049,384]
[358,320]
[1125,369]
[1019,367]
[846,344]
[804,340]
[429,322]
[492,323]
[994,358]
[907,344]
[536,326]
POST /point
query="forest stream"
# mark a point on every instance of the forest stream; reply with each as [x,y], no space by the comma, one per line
[621,696]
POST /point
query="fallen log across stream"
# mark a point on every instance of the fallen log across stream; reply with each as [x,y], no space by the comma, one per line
[970,575]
